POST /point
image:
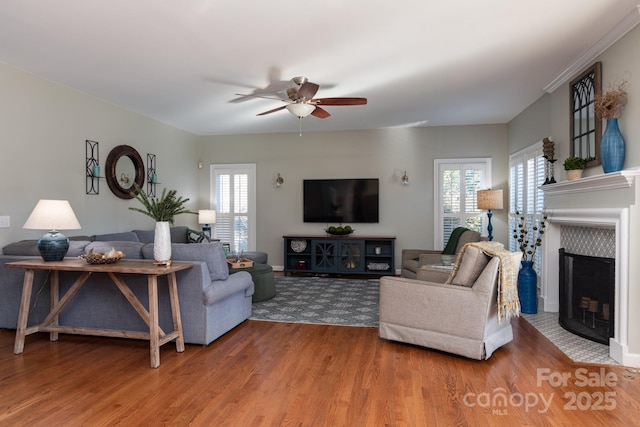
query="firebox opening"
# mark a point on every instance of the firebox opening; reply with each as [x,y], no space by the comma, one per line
[587,295]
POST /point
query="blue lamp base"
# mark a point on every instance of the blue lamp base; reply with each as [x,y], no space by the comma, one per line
[489,226]
[206,229]
[53,246]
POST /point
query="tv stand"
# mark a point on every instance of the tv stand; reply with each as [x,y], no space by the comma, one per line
[339,255]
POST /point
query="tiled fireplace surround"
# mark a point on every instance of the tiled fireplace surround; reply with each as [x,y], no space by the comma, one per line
[599,216]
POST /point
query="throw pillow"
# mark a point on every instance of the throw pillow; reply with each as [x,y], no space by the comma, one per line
[471,265]
[212,254]
[194,236]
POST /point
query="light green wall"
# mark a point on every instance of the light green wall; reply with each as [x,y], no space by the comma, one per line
[405,211]
[44,128]
[549,116]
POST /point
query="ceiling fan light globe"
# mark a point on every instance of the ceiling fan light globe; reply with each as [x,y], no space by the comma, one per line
[301,110]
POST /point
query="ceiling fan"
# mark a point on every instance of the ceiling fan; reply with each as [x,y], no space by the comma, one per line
[301,101]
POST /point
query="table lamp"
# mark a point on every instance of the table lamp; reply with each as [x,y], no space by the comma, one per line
[206,217]
[52,215]
[488,200]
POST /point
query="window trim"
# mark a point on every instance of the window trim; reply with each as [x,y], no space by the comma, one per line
[531,217]
[252,208]
[438,236]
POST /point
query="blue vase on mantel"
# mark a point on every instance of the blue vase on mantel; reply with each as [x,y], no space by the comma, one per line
[612,150]
[528,288]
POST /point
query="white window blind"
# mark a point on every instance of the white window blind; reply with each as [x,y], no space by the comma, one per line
[234,198]
[526,176]
[456,184]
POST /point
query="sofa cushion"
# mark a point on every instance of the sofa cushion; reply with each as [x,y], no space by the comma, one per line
[178,235]
[30,248]
[131,250]
[471,265]
[195,236]
[210,253]
[410,264]
[127,236]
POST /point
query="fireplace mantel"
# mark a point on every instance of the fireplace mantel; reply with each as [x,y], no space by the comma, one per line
[609,181]
[605,201]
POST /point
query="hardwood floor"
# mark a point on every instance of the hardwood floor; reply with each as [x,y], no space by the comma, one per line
[272,374]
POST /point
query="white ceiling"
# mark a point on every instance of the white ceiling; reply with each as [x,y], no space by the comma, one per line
[419,62]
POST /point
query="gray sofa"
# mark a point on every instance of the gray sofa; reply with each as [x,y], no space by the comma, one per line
[212,302]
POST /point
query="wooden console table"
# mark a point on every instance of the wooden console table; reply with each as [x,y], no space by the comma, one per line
[156,335]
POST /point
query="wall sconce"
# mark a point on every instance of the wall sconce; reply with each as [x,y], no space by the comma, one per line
[124,178]
[404,179]
[487,200]
[206,217]
[279,180]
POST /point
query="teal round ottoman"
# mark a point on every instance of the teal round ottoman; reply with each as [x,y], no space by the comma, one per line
[263,281]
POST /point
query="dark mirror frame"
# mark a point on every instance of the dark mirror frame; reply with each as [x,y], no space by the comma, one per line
[582,90]
[111,175]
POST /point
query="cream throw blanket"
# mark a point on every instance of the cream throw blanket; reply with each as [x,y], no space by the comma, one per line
[508,300]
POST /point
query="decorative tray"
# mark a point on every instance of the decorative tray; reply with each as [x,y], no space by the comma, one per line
[378,266]
[100,259]
[103,258]
[338,232]
[298,245]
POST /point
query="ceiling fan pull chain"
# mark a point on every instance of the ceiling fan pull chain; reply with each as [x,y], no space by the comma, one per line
[300,120]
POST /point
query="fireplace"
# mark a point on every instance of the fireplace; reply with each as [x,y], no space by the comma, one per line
[587,295]
[599,202]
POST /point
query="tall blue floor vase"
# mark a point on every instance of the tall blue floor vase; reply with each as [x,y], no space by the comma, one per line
[528,288]
[612,149]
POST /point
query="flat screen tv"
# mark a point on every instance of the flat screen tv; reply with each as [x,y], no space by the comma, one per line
[341,200]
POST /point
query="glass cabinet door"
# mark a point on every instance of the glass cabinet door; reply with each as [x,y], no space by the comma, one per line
[323,256]
[351,256]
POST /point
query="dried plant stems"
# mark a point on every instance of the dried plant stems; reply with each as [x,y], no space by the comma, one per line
[609,104]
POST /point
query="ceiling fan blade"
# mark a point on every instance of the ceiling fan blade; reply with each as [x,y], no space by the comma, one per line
[262,96]
[340,101]
[272,111]
[307,90]
[320,113]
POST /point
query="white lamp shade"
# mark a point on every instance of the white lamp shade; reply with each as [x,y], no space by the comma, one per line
[52,215]
[206,216]
[301,110]
[489,199]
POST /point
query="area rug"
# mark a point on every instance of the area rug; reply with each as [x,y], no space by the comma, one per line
[319,300]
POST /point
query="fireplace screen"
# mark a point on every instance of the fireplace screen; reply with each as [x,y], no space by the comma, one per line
[587,288]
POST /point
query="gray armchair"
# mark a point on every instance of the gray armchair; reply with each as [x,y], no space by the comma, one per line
[413,259]
[459,318]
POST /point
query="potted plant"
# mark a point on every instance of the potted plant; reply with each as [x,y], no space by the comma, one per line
[163,210]
[574,167]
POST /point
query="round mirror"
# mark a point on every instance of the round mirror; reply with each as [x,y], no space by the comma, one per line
[124,167]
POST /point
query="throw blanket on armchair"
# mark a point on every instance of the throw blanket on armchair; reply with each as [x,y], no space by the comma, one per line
[508,300]
[452,243]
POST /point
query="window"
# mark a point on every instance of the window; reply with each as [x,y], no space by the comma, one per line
[456,182]
[526,176]
[233,196]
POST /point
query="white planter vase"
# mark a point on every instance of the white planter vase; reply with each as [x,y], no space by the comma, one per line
[574,174]
[162,242]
